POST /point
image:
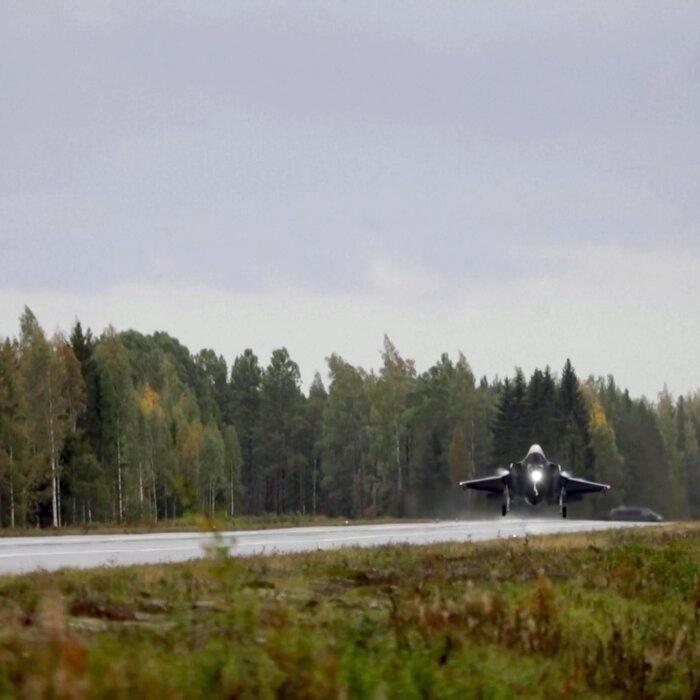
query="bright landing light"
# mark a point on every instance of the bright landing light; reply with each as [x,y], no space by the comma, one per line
[536,476]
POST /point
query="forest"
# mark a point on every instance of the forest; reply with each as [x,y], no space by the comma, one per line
[132,428]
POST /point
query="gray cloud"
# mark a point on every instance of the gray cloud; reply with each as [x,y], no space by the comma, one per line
[341,149]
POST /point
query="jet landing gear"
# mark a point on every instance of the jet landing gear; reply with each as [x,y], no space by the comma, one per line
[505,508]
[562,503]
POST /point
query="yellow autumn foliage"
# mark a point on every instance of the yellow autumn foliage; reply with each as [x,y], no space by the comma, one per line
[149,401]
[598,418]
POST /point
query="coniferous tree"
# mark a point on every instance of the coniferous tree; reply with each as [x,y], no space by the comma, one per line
[669,427]
[504,426]
[542,409]
[463,407]
[281,424]
[213,384]
[155,434]
[641,444]
[243,413]
[315,407]
[574,447]
[522,434]
[83,344]
[691,456]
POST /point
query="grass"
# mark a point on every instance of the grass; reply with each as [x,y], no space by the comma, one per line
[610,614]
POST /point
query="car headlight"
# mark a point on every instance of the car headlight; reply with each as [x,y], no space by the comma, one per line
[536,476]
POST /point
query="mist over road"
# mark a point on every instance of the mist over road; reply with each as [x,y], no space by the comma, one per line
[22,554]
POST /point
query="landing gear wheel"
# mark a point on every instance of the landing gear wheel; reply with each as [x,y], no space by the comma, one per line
[504,510]
[563,511]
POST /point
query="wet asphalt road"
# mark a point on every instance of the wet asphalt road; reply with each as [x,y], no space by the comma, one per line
[22,554]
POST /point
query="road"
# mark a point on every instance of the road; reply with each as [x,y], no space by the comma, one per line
[22,554]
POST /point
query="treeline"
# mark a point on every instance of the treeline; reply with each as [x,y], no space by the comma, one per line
[131,428]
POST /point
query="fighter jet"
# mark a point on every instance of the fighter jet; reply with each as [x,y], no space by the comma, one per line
[535,479]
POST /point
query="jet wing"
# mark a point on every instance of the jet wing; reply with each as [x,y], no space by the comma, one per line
[575,486]
[494,484]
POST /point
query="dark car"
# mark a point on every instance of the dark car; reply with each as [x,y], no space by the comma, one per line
[644,515]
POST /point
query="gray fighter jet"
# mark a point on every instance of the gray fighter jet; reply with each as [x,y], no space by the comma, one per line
[535,479]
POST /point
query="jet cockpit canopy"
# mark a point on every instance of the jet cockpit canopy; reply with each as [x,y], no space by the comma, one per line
[535,456]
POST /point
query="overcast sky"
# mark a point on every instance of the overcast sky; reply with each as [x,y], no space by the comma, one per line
[520,181]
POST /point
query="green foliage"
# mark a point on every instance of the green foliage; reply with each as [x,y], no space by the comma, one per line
[389,429]
[213,477]
[345,440]
[128,428]
[243,411]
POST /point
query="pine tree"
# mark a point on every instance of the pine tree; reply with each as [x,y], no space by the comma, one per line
[522,434]
[243,413]
[692,468]
[574,447]
[83,344]
[542,409]
[673,433]
[315,406]
[281,424]
[212,384]
[505,425]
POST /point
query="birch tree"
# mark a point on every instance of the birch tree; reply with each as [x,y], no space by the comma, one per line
[55,395]
[212,460]
[10,422]
[389,415]
[233,463]
[117,407]
[345,438]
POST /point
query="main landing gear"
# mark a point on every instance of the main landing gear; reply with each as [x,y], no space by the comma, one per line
[506,501]
[562,503]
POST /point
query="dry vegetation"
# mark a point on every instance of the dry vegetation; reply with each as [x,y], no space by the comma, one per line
[595,615]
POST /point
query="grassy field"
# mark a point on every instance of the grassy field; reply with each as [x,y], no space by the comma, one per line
[611,614]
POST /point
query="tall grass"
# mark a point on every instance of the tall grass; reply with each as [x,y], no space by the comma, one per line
[596,615]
